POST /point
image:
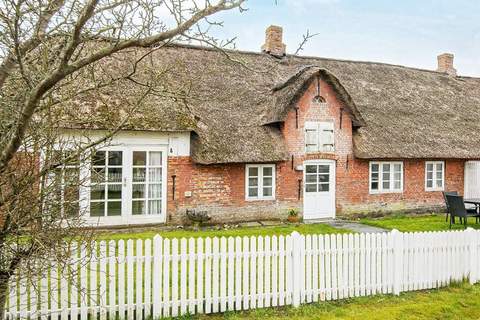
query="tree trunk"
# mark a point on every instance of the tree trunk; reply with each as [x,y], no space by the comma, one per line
[4,278]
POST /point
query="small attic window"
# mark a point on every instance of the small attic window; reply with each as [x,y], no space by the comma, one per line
[319,99]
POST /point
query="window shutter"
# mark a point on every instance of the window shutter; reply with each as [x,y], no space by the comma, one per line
[327,139]
[311,137]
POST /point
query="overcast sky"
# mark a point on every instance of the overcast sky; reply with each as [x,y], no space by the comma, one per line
[406,32]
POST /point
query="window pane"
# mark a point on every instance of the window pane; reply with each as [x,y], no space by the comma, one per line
[155,158]
[253,172]
[397,176]
[439,183]
[440,167]
[252,192]
[114,158]
[439,175]
[115,191]
[429,166]
[386,185]
[97,209]
[375,176]
[323,169]
[311,169]
[253,182]
[267,192]
[139,158]
[114,174]
[138,191]
[429,175]
[323,178]
[429,183]
[267,182]
[114,208]
[267,171]
[397,185]
[311,178]
[72,176]
[97,192]
[138,207]
[374,185]
[397,168]
[155,174]
[97,175]
[155,191]
[138,174]
[375,167]
[98,158]
[311,188]
[154,207]
[323,187]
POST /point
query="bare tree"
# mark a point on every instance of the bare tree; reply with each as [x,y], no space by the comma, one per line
[47,50]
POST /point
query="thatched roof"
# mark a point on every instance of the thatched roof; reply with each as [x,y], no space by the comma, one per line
[234,101]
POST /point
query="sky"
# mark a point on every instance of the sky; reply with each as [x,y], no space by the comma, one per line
[405,32]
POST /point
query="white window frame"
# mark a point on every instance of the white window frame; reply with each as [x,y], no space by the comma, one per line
[319,126]
[434,176]
[380,177]
[260,181]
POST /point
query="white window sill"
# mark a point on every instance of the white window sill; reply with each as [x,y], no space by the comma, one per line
[260,199]
[434,189]
[386,192]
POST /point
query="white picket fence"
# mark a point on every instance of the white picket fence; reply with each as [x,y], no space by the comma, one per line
[171,277]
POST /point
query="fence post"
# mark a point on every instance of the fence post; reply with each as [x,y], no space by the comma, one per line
[296,268]
[398,247]
[156,276]
[473,254]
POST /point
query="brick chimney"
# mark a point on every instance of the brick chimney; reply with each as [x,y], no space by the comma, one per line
[273,41]
[445,64]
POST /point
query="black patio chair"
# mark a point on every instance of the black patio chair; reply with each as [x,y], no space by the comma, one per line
[445,193]
[456,208]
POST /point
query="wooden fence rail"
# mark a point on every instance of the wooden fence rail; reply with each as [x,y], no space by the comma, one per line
[171,277]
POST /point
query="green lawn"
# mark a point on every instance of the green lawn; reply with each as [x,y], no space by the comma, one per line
[245,231]
[434,222]
[459,301]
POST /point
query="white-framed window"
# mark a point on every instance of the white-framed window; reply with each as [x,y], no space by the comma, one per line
[386,176]
[319,137]
[260,181]
[434,175]
[65,181]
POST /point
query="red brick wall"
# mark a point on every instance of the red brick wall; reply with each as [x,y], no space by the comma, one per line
[220,189]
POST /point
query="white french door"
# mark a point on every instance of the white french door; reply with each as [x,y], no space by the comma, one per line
[127,185]
[319,189]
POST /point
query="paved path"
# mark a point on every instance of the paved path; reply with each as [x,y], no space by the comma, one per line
[354,226]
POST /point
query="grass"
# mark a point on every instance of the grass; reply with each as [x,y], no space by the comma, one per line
[405,223]
[459,301]
[241,231]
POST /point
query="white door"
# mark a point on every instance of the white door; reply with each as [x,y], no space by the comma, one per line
[319,189]
[128,185]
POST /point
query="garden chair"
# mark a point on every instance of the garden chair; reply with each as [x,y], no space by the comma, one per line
[456,208]
[445,193]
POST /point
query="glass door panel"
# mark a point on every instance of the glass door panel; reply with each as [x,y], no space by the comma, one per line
[147,182]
